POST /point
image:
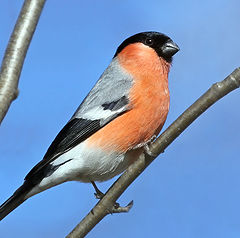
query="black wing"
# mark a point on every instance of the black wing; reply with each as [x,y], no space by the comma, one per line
[74,132]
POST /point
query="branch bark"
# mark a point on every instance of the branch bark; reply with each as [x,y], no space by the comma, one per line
[102,208]
[16,52]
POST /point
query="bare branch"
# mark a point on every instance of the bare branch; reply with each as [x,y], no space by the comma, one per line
[16,52]
[217,91]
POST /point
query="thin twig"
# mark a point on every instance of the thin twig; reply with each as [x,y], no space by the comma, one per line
[101,209]
[16,52]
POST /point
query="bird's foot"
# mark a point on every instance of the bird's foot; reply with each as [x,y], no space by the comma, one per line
[149,152]
[116,208]
[98,194]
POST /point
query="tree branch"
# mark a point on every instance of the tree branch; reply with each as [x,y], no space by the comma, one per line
[16,52]
[102,208]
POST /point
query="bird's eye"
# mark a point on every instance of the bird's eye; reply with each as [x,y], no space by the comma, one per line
[149,41]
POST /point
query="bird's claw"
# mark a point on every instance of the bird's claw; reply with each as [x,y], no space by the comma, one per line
[116,208]
[99,195]
[148,152]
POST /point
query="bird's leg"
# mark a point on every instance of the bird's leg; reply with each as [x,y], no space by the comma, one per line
[98,194]
[147,149]
[116,207]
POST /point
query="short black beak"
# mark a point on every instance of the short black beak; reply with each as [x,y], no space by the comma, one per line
[170,48]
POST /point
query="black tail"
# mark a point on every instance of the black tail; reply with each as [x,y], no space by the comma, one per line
[14,201]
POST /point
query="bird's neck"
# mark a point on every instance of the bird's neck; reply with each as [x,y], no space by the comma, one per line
[143,63]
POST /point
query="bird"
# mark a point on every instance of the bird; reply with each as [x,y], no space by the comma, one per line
[123,112]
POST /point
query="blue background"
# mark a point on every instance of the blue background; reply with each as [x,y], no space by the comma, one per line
[192,190]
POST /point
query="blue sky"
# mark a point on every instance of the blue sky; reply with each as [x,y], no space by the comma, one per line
[192,190]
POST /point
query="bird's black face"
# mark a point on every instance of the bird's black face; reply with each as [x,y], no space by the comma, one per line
[161,43]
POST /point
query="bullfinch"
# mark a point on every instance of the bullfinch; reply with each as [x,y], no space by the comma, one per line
[121,114]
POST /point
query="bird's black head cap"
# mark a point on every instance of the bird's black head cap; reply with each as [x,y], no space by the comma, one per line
[162,44]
